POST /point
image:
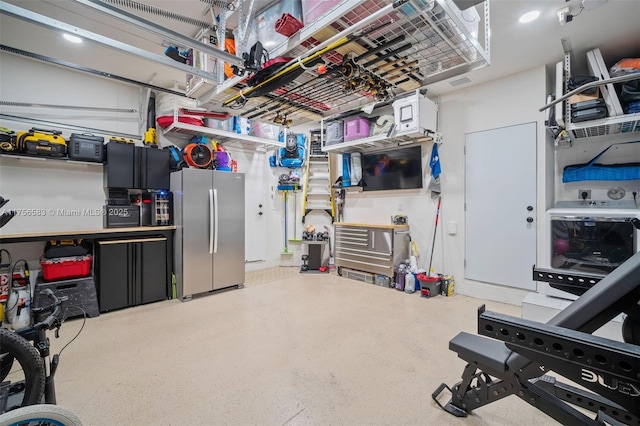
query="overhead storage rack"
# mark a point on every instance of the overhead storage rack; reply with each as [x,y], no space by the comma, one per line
[435,41]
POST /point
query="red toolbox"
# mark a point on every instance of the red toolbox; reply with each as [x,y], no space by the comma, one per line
[62,268]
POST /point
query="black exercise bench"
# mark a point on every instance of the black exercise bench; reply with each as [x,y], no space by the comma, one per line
[516,354]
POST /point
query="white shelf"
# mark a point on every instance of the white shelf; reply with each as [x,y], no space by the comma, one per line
[625,124]
[58,159]
[181,133]
[375,142]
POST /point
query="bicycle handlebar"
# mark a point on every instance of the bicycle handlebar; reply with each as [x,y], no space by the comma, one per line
[50,321]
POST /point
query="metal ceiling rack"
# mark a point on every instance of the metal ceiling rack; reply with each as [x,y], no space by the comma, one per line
[87,70]
[153,27]
[53,24]
[438,44]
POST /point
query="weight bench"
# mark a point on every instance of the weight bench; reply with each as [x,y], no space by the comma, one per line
[516,354]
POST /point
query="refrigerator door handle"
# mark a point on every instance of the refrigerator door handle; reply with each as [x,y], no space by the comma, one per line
[215,206]
[210,221]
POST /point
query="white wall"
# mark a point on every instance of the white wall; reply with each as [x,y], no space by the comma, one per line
[318,219]
[505,102]
[49,186]
[509,101]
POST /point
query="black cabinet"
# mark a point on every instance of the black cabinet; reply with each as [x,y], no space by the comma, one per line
[131,272]
[134,167]
[120,166]
[154,168]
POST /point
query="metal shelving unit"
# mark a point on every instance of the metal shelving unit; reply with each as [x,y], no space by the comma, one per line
[442,46]
[620,125]
[627,126]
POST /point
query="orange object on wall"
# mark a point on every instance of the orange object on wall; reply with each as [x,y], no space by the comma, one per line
[230,47]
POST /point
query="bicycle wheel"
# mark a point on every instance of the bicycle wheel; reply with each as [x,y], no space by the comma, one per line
[40,415]
[6,363]
[32,367]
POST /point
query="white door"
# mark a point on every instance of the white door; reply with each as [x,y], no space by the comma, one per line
[500,198]
[255,208]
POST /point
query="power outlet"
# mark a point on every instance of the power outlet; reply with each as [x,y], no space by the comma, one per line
[563,15]
[584,194]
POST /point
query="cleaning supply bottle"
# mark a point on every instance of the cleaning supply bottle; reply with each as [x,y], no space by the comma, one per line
[410,283]
[22,318]
[414,264]
[19,308]
[400,277]
[12,306]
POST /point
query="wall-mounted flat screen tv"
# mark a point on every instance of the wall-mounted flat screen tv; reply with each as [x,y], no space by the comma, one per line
[394,169]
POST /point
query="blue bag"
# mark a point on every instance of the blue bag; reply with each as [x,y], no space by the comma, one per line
[593,171]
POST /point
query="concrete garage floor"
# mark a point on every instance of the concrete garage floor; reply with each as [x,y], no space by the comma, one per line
[305,350]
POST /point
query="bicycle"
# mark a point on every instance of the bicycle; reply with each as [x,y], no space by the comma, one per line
[40,415]
[35,376]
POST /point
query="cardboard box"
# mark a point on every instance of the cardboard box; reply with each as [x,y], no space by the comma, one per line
[582,97]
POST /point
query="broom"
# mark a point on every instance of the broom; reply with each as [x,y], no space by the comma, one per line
[433,244]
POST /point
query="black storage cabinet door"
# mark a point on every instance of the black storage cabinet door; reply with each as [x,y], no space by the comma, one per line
[120,169]
[131,272]
[154,168]
[151,264]
[115,274]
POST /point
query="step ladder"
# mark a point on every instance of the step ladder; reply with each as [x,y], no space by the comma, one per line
[318,193]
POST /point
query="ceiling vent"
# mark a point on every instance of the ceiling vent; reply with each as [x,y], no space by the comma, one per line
[460,81]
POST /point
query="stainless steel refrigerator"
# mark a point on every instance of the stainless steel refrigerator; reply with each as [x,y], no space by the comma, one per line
[208,209]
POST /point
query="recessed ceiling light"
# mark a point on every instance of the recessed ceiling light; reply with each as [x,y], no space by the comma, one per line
[529,16]
[72,38]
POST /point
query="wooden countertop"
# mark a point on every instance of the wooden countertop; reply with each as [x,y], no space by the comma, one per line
[372,225]
[80,232]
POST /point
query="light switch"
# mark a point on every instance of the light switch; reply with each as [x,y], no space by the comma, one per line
[452,228]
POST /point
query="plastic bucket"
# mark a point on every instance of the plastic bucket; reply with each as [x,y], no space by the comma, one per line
[429,286]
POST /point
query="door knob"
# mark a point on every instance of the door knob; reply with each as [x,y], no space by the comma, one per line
[530,219]
[260,213]
[529,208]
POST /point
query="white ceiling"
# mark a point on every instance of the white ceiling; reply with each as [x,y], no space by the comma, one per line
[515,47]
[613,27]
